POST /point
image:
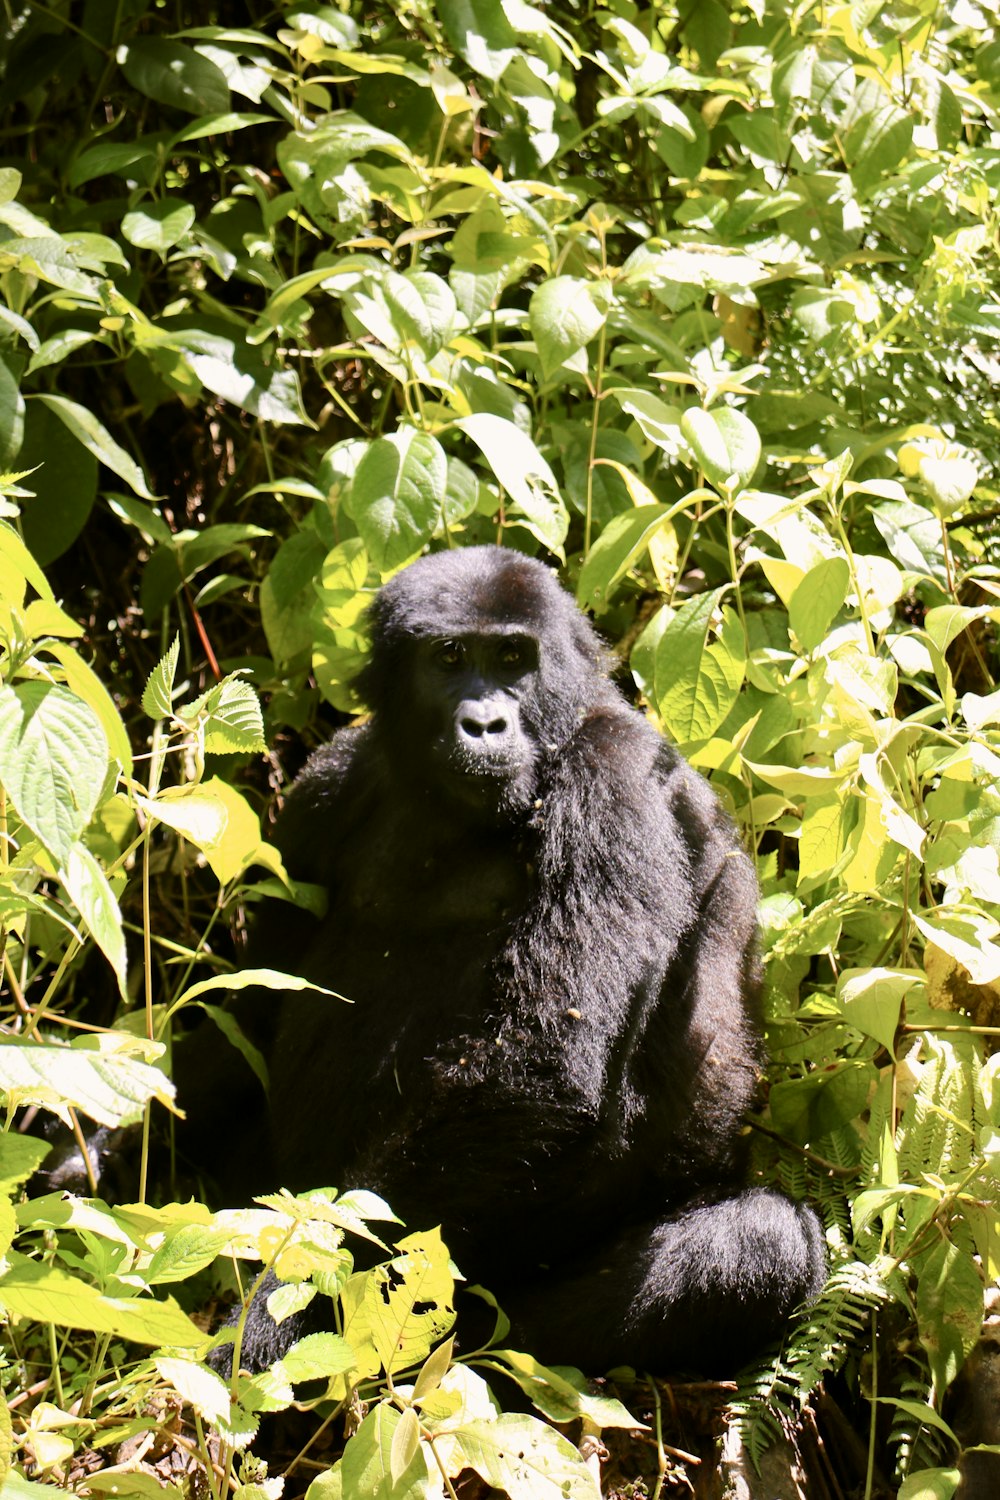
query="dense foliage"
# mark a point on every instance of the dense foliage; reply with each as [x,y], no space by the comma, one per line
[699,302]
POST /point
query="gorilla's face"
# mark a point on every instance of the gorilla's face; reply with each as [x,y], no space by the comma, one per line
[470,695]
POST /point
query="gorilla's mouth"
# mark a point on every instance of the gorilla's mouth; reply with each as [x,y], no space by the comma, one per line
[495,783]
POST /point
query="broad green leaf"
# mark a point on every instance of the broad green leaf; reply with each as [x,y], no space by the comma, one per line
[876,134]
[698,680]
[979,711]
[480,32]
[317,1356]
[64,484]
[563,1394]
[157,695]
[18,568]
[288,596]
[131,1485]
[620,545]
[423,308]
[200,1386]
[969,937]
[230,717]
[929,1484]
[176,75]
[525,1459]
[97,440]
[53,761]
[946,623]
[19,1156]
[817,600]
[522,471]
[107,1085]
[199,815]
[222,124]
[158,225]
[91,894]
[186,1249]
[11,416]
[398,495]
[565,314]
[45,1294]
[725,444]
[949,1310]
[241,376]
[85,683]
[823,835]
[410,1308]
[366,1468]
[872,999]
[660,423]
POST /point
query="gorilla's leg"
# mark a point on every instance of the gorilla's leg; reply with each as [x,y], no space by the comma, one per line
[703,1291]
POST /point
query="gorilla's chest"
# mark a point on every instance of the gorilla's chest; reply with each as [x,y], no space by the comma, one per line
[421,881]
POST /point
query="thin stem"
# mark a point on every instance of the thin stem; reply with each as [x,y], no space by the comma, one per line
[870,1474]
[81,1141]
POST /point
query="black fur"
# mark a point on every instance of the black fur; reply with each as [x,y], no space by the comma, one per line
[546,927]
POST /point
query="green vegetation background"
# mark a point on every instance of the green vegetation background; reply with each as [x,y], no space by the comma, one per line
[698,302]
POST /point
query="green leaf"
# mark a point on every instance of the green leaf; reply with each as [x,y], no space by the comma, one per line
[10,184]
[480,33]
[620,545]
[949,1311]
[82,680]
[230,716]
[317,1357]
[522,471]
[176,75]
[157,695]
[53,761]
[565,314]
[11,416]
[269,979]
[200,1387]
[725,444]
[410,1305]
[563,1394]
[158,225]
[366,1468]
[91,894]
[97,440]
[872,1000]
[185,1250]
[16,562]
[65,484]
[929,1484]
[817,600]
[109,1085]
[240,375]
[697,681]
[46,1294]
[398,494]
[287,595]
[969,937]
[525,1459]
[658,422]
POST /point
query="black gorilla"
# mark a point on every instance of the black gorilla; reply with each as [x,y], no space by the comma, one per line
[546,927]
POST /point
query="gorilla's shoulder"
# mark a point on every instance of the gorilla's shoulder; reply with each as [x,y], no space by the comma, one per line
[331,782]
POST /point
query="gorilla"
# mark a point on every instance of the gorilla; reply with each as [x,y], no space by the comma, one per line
[546,926]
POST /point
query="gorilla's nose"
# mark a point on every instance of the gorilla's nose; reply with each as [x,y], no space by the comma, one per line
[483,724]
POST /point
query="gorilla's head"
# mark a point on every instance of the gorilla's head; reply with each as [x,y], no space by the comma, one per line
[481,668]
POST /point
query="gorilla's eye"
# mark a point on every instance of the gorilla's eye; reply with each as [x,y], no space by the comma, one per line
[513,654]
[449,654]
